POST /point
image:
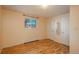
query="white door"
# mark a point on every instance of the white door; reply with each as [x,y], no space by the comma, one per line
[65,29]
[58,29]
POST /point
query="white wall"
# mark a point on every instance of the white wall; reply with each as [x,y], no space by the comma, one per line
[55,31]
[14,32]
[74,29]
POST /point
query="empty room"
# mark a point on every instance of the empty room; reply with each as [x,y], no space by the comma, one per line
[38,29]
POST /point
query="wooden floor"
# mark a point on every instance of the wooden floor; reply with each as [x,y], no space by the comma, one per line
[45,46]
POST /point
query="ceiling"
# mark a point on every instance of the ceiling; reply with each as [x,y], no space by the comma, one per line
[38,10]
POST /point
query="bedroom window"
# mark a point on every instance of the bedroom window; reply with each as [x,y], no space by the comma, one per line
[30,23]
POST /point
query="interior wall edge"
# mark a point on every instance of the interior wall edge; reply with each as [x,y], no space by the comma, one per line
[20,43]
